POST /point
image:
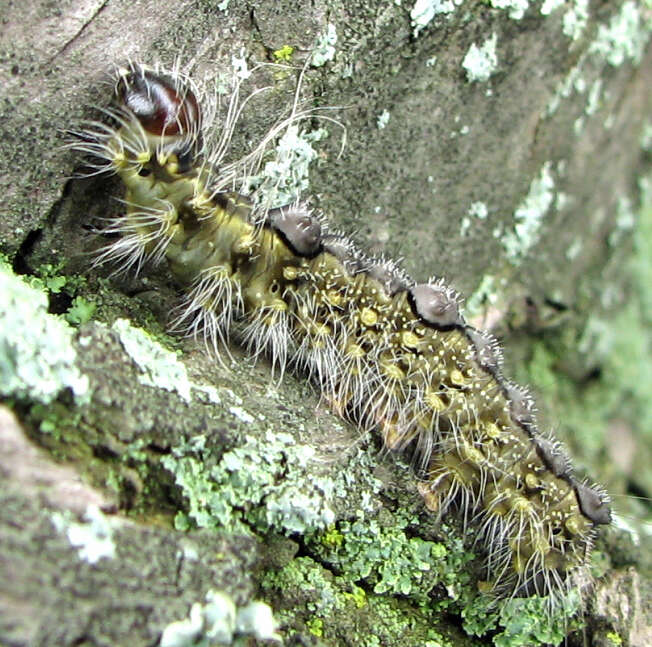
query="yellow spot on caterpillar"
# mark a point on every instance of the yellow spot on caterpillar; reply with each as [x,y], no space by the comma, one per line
[474,455]
[531,481]
[368,317]
[143,157]
[492,430]
[434,401]
[354,351]
[172,165]
[321,330]
[457,378]
[393,371]
[333,298]
[290,273]
[573,526]
[409,339]
[120,160]
[521,505]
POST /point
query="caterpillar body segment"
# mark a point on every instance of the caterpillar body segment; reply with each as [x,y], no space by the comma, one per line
[391,354]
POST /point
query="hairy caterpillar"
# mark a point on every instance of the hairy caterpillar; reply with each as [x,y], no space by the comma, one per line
[391,354]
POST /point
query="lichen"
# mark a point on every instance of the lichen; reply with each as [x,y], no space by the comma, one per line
[284,179]
[576,19]
[524,621]
[324,50]
[388,559]
[219,622]
[333,608]
[93,539]
[265,483]
[529,215]
[481,62]
[159,366]
[37,355]
[516,8]
[624,38]
[424,11]
[383,119]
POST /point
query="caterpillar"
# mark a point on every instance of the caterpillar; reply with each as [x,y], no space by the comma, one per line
[393,355]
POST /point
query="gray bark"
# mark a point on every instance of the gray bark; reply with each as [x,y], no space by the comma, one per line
[559,120]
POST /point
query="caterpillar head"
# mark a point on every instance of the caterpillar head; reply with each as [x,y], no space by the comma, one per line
[161,106]
[167,111]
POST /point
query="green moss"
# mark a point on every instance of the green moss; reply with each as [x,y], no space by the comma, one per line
[37,356]
[614,639]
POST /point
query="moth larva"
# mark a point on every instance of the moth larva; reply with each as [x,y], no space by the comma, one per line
[391,354]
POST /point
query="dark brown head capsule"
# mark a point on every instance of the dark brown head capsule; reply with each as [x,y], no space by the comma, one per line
[299,228]
[161,106]
[436,305]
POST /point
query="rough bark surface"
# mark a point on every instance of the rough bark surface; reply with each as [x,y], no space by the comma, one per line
[552,145]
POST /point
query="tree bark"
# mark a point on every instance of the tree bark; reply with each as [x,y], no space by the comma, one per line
[516,174]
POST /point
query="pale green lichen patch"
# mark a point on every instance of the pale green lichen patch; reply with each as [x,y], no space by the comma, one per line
[549,6]
[424,11]
[476,210]
[481,62]
[266,483]
[93,539]
[284,179]
[624,38]
[219,622]
[388,559]
[383,119]
[324,50]
[37,356]
[159,366]
[576,19]
[524,621]
[529,216]
[516,8]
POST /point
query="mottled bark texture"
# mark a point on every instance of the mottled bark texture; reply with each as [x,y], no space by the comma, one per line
[515,173]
